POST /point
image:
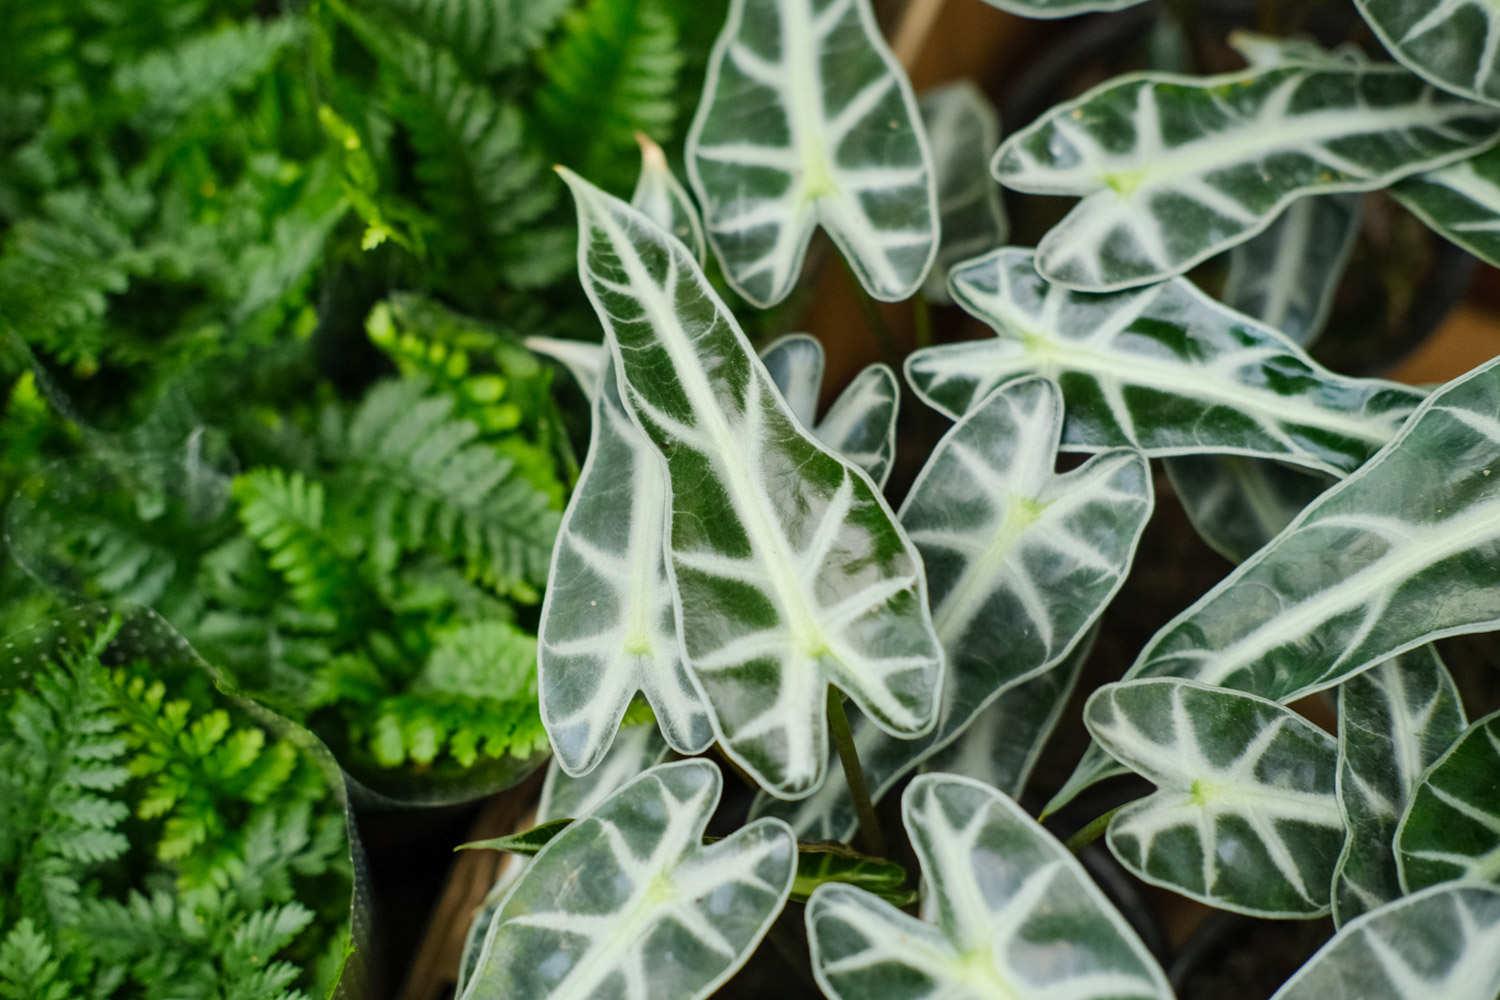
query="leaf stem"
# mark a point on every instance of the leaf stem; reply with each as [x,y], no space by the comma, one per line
[922,316]
[1092,832]
[870,837]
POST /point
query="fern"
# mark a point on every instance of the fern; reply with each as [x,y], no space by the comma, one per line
[486,36]
[286,515]
[614,73]
[421,480]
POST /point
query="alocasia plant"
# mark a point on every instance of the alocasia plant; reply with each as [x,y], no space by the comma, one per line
[730,551]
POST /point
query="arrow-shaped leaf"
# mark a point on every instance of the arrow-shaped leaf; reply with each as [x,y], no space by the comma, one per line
[1394,721]
[1174,170]
[1244,817]
[628,902]
[1461,202]
[1021,562]
[963,129]
[806,120]
[1453,43]
[860,424]
[1165,370]
[1006,912]
[789,570]
[1059,8]
[1451,829]
[608,628]
[525,842]
[824,864]
[1443,942]
[665,201]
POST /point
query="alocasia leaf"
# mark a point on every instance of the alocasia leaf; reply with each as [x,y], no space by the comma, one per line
[1442,942]
[1262,51]
[789,571]
[861,423]
[1286,276]
[1244,817]
[635,749]
[665,201]
[1461,202]
[1451,829]
[807,119]
[628,902]
[1006,912]
[584,361]
[1453,43]
[1398,554]
[1002,744]
[1239,504]
[1020,561]
[963,129]
[822,864]
[525,842]
[1174,170]
[1059,8]
[1165,370]
[1395,719]
[608,628]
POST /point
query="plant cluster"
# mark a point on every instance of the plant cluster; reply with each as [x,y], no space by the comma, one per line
[729,557]
[155,847]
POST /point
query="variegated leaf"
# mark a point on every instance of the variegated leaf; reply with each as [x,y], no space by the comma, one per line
[1021,562]
[1059,8]
[635,749]
[627,902]
[663,199]
[861,423]
[1239,504]
[1174,170]
[1165,370]
[789,571]
[1400,553]
[1265,51]
[963,129]
[1286,277]
[1442,942]
[806,120]
[1002,744]
[1451,829]
[584,361]
[1453,43]
[1244,817]
[608,627]
[823,864]
[1395,719]
[1461,202]
[1006,912]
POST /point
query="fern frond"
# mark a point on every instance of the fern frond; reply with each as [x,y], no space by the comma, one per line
[418,477]
[613,73]
[485,35]
[286,515]
[167,86]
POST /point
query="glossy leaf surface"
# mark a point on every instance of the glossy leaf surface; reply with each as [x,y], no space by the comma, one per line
[1398,554]
[627,902]
[1165,370]
[1451,829]
[1059,8]
[823,864]
[789,570]
[963,129]
[807,120]
[1395,719]
[608,627]
[1444,942]
[1006,912]
[1453,43]
[1174,170]
[1021,562]
[1461,202]
[1244,817]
